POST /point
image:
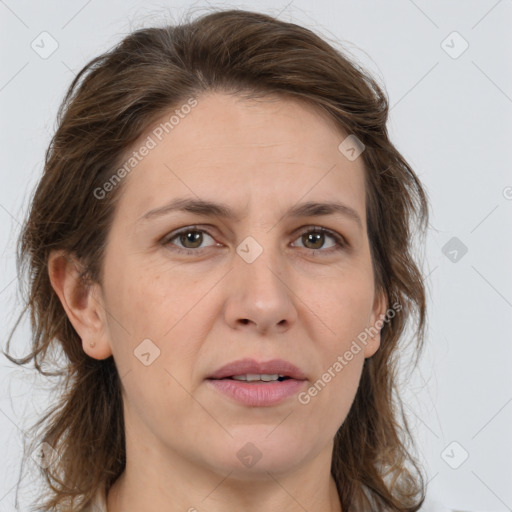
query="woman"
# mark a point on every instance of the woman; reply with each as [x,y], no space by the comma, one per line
[221,246]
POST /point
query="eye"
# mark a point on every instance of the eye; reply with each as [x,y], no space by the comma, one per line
[314,239]
[191,239]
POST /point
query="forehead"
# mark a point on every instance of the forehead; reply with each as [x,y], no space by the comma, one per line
[255,151]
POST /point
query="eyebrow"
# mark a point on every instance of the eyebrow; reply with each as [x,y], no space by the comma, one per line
[213,209]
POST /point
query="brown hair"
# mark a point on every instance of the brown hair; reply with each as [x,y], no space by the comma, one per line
[112,102]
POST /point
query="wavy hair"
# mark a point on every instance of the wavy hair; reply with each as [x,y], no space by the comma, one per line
[112,102]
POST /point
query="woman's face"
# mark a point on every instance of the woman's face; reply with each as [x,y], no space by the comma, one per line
[255,284]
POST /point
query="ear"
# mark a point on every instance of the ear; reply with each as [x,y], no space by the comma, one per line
[376,321]
[82,302]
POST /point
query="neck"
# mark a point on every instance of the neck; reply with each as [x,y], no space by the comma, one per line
[134,491]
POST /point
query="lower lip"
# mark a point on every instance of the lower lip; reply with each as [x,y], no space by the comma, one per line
[259,394]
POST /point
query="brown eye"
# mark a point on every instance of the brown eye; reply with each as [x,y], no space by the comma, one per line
[314,239]
[189,240]
[195,238]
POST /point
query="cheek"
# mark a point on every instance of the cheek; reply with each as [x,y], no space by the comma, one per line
[157,400]
[328,399]
[146,298]
[345,308]
[148,315]
[342,359]
[147,302]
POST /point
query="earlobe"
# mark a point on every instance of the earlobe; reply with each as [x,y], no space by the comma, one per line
[376,323]
[81,302]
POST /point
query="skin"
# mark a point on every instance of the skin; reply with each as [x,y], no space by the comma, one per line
[296,301]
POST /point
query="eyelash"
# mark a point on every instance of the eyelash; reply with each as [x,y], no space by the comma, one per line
[339,240]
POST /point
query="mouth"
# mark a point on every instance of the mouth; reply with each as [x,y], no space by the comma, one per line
[254,377]
[251,370]
[255,384]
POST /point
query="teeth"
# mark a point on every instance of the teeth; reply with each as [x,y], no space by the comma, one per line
[251,377]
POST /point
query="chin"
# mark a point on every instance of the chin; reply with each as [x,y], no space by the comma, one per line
[250,454]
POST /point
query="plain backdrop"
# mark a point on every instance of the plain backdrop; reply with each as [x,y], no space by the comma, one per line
[446,69]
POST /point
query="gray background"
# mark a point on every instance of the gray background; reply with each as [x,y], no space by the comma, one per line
[450,117]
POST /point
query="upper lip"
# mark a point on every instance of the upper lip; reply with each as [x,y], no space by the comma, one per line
[251,366]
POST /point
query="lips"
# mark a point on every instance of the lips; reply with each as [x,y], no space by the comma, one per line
[252,367]
[258,390]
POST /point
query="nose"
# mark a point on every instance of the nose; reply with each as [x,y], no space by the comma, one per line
[260,294]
